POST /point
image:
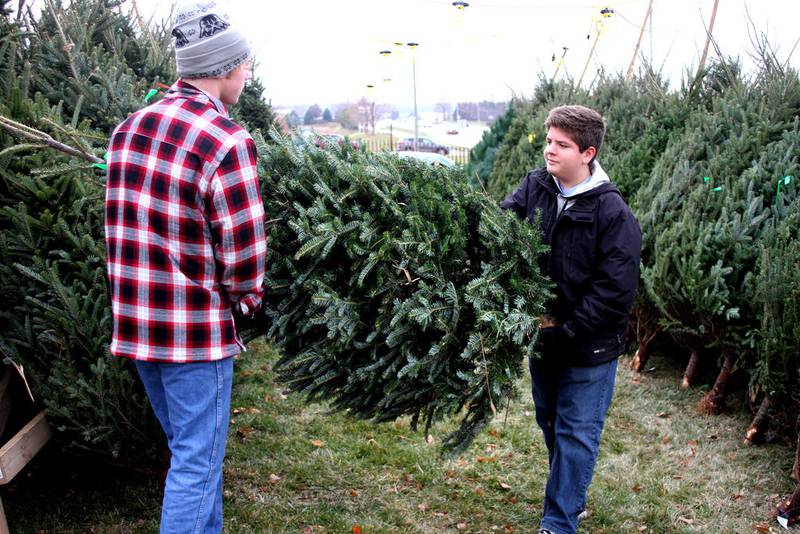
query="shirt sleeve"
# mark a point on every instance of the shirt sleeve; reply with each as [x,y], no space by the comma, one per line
[236,218]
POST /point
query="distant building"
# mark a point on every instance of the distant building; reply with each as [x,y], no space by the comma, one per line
[484,111]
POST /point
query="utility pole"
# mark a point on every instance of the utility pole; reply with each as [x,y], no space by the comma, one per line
[558,65]
[639,42]
[413,47]
[589,59]
[708,38]
[652,56]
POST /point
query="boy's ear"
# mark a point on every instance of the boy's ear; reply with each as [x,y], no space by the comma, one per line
[589,154]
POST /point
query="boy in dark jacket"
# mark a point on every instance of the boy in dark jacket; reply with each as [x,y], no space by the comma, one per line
[595,243]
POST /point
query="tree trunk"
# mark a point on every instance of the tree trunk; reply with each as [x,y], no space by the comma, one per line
[643,351]
[796,466]
[691,370]
[640,358]
[713,402]
[755,432]
[788,510]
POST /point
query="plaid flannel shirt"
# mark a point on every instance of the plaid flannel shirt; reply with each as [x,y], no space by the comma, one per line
[185,239]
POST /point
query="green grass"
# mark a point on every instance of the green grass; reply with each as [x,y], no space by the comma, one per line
[297,468]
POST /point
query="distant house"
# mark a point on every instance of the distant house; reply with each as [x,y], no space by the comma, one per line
[281,124]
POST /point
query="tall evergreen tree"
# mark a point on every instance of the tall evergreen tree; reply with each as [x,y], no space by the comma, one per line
[482,155]
[253,111]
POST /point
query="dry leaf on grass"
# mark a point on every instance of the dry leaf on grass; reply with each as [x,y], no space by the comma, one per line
[244,432]
[251,409]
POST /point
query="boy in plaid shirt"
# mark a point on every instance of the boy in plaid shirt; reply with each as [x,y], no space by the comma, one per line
[186,248]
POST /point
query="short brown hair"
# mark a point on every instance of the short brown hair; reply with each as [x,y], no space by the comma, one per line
[584,126]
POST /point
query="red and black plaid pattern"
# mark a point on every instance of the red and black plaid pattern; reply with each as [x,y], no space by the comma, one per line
[184,230]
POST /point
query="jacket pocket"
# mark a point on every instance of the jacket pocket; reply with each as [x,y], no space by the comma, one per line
[580,247]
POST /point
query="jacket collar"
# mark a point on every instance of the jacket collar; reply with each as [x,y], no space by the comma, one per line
[594,180]
[597,184]
[183,89]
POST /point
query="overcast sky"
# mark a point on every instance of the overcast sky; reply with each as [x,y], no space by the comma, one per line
[324,51]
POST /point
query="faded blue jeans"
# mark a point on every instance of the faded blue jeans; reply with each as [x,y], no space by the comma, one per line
[571,405]
[192,402]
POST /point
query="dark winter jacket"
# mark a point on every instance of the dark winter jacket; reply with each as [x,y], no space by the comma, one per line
[595,244]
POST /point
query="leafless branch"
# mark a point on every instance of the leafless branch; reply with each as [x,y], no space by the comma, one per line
[21,130]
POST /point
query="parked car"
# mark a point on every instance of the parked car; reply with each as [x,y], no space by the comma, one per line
[430,158]
[452,132]
[424,144]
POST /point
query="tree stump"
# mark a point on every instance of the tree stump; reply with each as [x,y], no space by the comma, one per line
[691,370]
[713,402]
[755,432]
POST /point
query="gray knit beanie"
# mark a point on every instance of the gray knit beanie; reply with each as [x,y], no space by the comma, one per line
[207,45]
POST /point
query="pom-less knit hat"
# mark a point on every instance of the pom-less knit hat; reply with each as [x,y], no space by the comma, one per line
[207,45]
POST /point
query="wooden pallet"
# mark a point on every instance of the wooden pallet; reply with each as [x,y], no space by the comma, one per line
[23,446]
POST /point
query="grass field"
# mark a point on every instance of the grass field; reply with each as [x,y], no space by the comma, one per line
[297,468]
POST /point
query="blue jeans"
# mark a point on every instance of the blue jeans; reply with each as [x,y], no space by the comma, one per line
[192,402]
[571,405]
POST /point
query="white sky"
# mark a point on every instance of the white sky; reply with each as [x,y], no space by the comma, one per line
[328,51]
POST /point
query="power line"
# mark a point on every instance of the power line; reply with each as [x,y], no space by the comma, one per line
[628,20]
